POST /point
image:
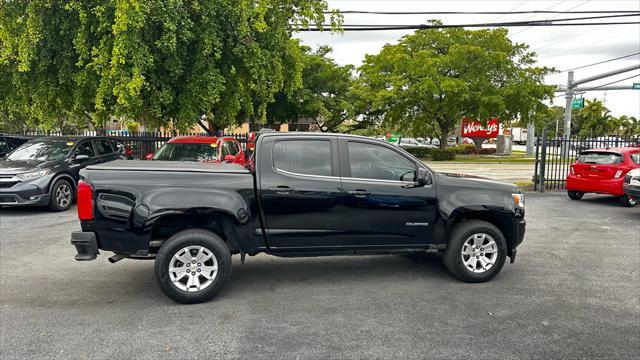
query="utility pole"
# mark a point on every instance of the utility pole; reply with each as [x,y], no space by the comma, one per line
[567,114]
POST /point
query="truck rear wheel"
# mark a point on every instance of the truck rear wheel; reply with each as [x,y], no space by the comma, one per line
[192,266]
[476,251]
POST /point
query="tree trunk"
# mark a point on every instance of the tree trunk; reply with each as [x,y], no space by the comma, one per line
[478,142]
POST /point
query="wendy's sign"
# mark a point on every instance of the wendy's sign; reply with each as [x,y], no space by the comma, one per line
[476,129]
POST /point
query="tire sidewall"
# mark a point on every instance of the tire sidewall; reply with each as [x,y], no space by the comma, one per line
[458,238]
[192,238]
[53,202]
[575,195]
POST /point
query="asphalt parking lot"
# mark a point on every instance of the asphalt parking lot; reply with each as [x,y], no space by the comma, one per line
[572,293]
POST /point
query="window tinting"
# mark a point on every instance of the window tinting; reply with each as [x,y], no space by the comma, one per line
[600,158]
[369,161]
[234,149]
[186,152]
[104,148]
[85,148]
[635,157]
[311,157]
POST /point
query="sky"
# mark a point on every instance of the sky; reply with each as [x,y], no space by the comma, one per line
[562,47]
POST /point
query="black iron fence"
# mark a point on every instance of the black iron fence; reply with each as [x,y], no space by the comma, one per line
[555,155]
[141,143]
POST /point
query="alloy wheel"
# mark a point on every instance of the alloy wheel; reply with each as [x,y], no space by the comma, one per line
[479,252]
[193,268]
[63,195]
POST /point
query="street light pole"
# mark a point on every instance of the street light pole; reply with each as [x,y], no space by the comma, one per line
[567,106]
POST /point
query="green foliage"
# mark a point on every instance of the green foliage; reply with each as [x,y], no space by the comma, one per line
[323,97]
[434,154]
[156,61]
[430,80]
[596,120]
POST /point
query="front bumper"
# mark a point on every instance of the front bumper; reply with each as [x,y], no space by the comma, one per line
[86,245]
[633,190]
[519,228]
[30,193]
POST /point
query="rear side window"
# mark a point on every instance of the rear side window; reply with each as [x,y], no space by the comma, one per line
[85,148]
[600,158]
[104,148]
[309,157]
[635,157]
[234,149]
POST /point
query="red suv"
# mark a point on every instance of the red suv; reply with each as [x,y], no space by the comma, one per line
[602,171]
[200,148]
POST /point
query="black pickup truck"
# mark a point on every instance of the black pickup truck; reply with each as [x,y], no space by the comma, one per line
[307,195]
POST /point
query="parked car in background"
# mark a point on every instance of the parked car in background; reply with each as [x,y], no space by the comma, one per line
[631,184]
[201,148]
[451,141]
[9,143]
[411,142]
[44,171]
[424,141]
[602,171]
[435,142]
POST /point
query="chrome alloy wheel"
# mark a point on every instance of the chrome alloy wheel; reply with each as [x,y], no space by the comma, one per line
[479,253]
[63,195]
[193,268]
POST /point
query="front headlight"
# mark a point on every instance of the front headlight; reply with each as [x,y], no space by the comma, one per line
[518,199]
[32,174]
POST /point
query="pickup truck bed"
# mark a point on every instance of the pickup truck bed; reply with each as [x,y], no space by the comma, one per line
[309,195]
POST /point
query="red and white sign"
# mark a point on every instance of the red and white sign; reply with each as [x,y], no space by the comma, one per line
[476,129]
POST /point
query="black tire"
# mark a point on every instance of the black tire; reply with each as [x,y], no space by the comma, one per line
[628,200]
[575,195]
[452,257]
[176,244]
[56,203]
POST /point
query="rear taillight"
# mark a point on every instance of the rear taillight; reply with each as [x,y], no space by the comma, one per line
[618,174]
[85,201]
[573,171]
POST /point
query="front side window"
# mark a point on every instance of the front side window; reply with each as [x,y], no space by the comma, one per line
[635,157]
[44,150]
[309,157]
[600,158]
[104,148]
[85,148]
[369,161]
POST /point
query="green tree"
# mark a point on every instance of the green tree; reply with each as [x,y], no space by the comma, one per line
[324,97]
[630,125]
[430,80]
[161,62]
[594,119]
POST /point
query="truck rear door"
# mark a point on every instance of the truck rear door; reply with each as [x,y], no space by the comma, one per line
[300,192]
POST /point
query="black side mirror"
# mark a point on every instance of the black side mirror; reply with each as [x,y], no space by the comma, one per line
[81,157]
[423,177]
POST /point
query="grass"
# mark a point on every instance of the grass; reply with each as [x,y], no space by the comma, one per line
[514,158]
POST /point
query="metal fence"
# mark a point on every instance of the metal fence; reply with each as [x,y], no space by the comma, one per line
[555,155]
[141,143]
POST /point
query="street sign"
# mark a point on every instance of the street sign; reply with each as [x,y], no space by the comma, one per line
[577,103]
[636,86]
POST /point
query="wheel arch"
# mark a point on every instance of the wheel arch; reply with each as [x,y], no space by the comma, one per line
[503,220]
[65,176]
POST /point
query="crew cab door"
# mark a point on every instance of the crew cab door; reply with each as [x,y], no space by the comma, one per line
[300,192]
[383,204]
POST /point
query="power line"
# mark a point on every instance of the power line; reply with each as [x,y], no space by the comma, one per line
[571,8]
[487,25]
[481,12]
[600,62]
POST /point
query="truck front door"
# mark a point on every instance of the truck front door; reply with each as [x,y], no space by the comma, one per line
[383,204]
[300,192]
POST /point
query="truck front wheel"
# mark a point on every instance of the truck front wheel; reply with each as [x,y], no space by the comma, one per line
[476,251]
[192,266]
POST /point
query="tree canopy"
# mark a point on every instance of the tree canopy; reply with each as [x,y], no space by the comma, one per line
[594,119]
[163,62]
[430,80]
[323,98]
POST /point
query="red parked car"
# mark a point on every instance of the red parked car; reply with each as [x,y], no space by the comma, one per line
[602,171]
[201,148]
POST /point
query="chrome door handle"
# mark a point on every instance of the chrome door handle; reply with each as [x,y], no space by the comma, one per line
[359,193]
[281,189]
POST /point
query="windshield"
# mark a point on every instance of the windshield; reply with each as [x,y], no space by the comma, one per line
[43,150]
[603,158]
[187,152]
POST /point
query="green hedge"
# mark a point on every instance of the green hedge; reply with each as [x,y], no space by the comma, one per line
[434,154]
[470,149]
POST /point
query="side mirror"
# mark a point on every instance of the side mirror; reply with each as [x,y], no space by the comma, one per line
[149,156]
[423,177]
[229,158]
[81,158]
